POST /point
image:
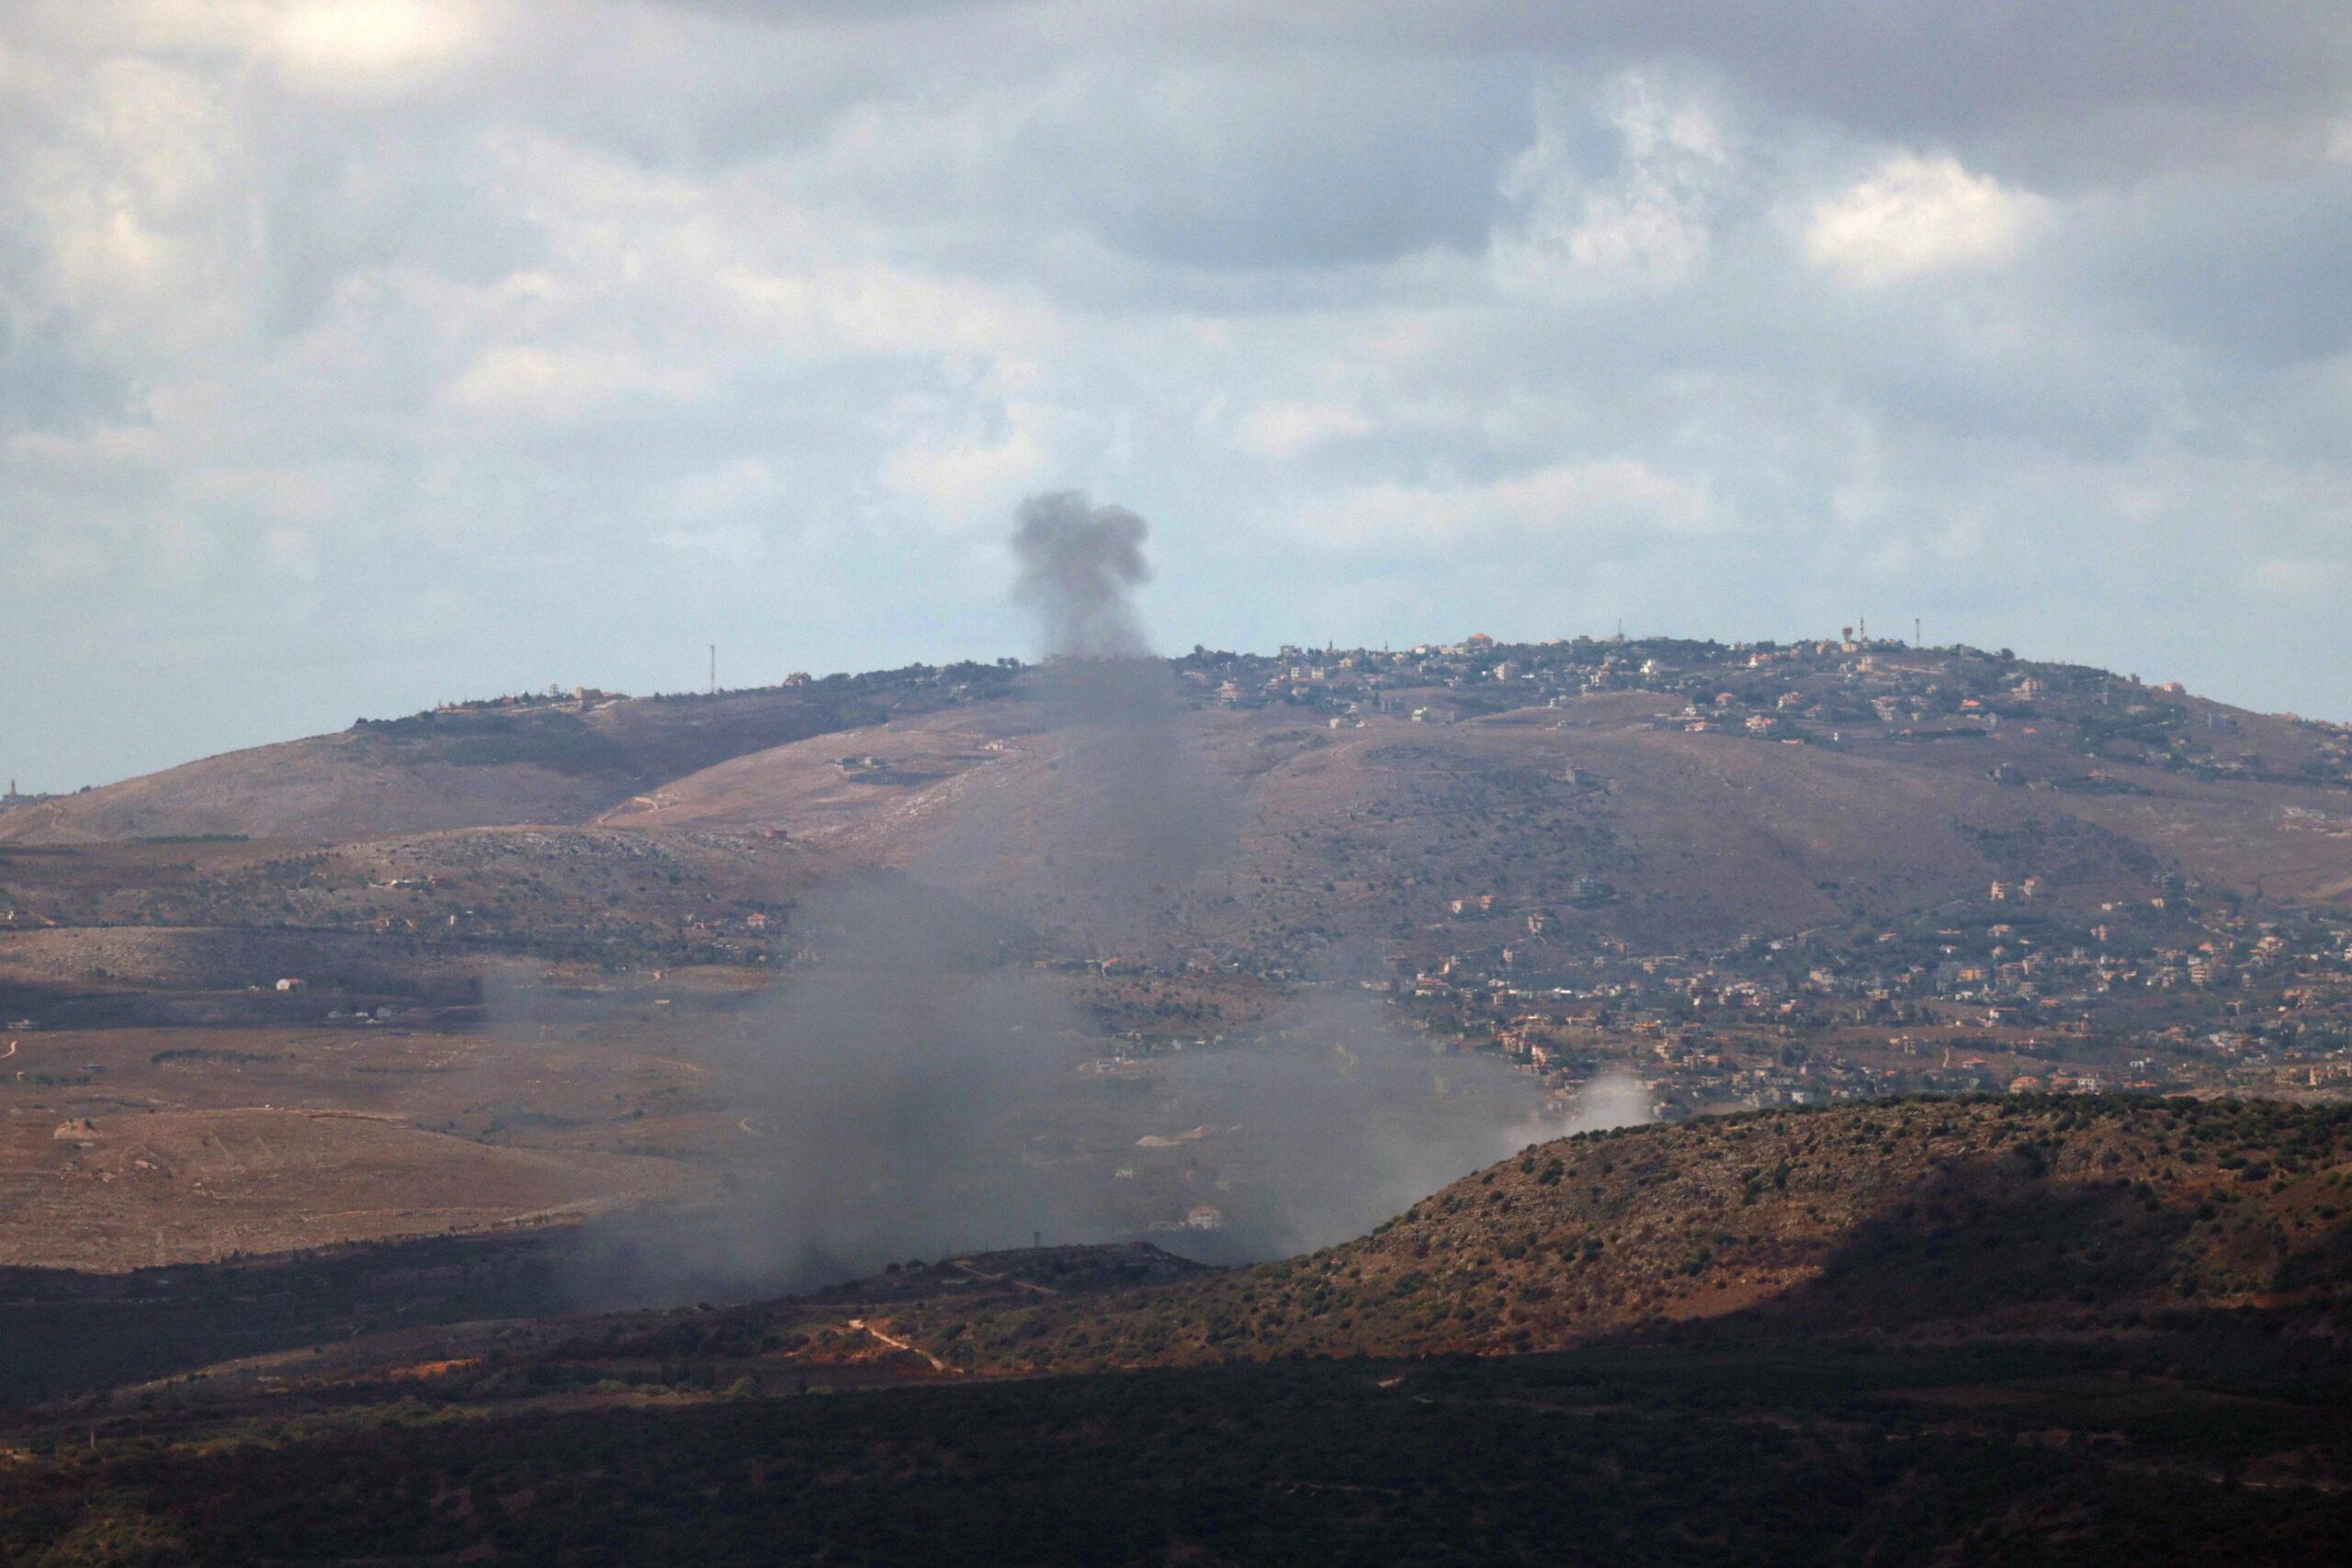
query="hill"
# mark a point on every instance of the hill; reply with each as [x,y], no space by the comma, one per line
[536,760]
[1741,875]
[1598,815]
[1917,1222]
[1930,1220]
[1432,807]
[1550,800]
[2027,1332]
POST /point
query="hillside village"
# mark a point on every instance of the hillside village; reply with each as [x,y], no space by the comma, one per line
[1483,889]
[418,989]
[1984,1005]
[1997,1001]
[2168,986]
[1823,692]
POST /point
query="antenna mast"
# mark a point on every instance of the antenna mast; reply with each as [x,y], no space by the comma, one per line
[713,670]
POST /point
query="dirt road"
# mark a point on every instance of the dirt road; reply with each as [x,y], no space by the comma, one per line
[898,1344]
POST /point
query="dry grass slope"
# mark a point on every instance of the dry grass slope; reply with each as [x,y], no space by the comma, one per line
[1924,1218]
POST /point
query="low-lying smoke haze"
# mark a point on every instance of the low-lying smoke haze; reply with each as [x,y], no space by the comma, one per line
[916,1078]
[1342,1121]
[894,1075]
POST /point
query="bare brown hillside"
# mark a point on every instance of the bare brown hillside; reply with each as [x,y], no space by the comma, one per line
[116,1192]
[1667,802]
[545,760]
[1924,1219]
[1598,815]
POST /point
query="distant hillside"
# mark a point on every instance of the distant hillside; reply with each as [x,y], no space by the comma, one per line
[541,761]
[1549,799]
[1926,1219]
[1602,813]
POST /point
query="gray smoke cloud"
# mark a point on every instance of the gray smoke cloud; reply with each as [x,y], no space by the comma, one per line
[1137,815]
[1079,566]
[1337,1121]
[898,1073]
[894,1081]
[915,1080]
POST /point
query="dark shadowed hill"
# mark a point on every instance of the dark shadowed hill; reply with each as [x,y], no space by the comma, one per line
[2024,1331]
[1935,1219]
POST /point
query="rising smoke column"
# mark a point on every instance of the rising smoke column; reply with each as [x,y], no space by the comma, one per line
[894,1072]
[1137,815]
[899,1076]
[1346,1120]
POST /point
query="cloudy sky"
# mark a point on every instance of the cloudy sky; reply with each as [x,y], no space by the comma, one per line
[360,354]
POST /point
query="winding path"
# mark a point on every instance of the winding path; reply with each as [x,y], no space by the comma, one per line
[898,1344]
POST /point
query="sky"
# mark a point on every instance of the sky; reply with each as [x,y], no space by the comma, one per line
[363,355]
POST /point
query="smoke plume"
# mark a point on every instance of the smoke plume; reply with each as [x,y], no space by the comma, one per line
[1137,817]
[1340,1121]
[916,1082]
[1079,564]
[1613,1098]
[894,1079]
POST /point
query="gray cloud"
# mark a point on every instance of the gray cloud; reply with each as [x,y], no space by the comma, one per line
[391,360]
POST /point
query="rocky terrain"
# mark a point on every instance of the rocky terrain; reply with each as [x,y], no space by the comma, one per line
[1662,797]
[1741,874]
[2026,1331]
[1927,1219]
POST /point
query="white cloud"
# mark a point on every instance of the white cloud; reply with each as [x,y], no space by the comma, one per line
[290,553]
[290,494]
[134,204]
[2304,580]
[968,483]
[364,42]
[1607,497]
[1287,428]
[739,544]
[1918,215]
[526,383]
[830,305]
[728,487]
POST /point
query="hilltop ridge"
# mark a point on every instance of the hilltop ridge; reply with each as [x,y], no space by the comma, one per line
[554,758]
[548,760]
